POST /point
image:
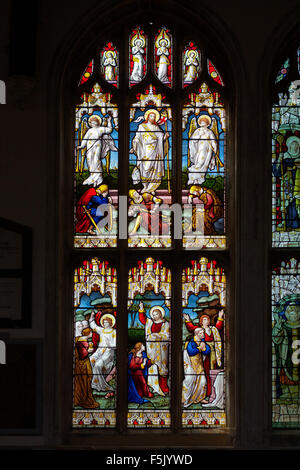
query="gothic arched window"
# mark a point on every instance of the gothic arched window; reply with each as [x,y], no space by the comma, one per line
[285,243]
[150,242]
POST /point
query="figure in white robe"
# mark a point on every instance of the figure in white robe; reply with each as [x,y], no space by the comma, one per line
[203,148]
[191,63]
[157,334]
[109,64]
[163,63]
[148,146]
[102,360]
[98,143]
[138,61]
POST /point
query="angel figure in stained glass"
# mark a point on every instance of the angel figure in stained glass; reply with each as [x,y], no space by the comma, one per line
[138,51]
[191,65]
[163,45]
[148,145]
[203,148]
[98,143]
[285,331]
[109,63]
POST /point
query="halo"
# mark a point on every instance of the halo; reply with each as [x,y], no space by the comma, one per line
[157,114]
[107,315]
[135,38]
[291,139]
[157,307]
[205,117]
[93,116]
[192,51]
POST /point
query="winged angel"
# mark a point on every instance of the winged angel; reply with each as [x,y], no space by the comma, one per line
[98,144]
[203,148]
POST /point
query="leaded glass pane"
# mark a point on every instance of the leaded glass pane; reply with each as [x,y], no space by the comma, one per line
[94,368]
[137,56]
[191,63]
[88,71]
[109,64]
[150,166]
[286,345]
[203,170]
[285,168]
[203,345]
[149,316]
[214,73]
[283,71]
[96,171]
[163,56]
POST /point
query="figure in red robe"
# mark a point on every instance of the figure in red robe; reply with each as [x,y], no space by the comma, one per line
[138,364]
[88,209]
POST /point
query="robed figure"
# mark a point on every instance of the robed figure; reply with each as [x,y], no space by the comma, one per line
[194,387]
[148,146]
[98,143]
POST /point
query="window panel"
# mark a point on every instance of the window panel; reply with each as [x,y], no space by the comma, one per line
[286,344]
[203,346]
[286,173]
[88,71]
[149,316]
[96,171]
[163,56]
[214,73]
[191,63]
[137,56]
[203,170]
[150,167]
[109,60]
[94,373]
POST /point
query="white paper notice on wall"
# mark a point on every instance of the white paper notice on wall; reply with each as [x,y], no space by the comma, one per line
[11,298]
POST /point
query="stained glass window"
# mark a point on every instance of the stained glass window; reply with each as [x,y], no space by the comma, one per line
[203,170]
[94,370]
[214,73]
[203,346]
[285,158]
[191,63]
[286,235]
[136,139]
[110,64]
[286,344]
[283,71]
[163,56]
[150,166]
[87,72]
[137,56]
[96,170]
[149,320]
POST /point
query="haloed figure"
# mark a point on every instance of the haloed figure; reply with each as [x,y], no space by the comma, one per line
[157,341]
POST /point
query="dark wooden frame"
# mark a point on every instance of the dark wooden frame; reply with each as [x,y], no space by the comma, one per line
[24,273]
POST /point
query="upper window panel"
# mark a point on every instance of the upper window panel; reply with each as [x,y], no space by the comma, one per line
[137,56]
[96,170]
[151,136]
[191,63]
[203,170]
[286,157]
